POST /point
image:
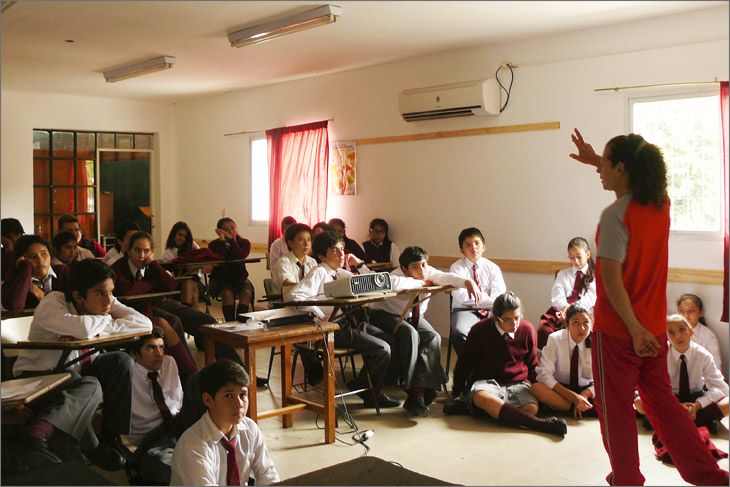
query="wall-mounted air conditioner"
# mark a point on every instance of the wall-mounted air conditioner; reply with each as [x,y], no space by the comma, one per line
[447,101]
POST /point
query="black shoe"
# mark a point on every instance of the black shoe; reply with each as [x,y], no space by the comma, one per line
[313,370]
[555,426]
[416,406]
[429,396]
[456,407]
[36,453]
[261,382]
[384,401]
[106,457]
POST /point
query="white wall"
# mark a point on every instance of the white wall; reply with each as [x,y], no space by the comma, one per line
[23,112]
[521,189]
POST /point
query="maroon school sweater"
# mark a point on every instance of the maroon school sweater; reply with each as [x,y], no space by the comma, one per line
[488,355]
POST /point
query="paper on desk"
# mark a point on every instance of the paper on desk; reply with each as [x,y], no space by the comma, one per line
[13,390]
[233,326]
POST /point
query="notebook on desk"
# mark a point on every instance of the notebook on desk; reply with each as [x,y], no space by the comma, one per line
[278,316]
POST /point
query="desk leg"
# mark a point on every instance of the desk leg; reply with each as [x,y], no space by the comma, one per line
[249,354]
[329,391]
[209,350]
[286,383]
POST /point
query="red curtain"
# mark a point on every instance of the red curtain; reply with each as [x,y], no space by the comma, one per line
[298,167]
[724,113]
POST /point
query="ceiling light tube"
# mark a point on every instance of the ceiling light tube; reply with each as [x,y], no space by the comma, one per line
[325,14]
[139,68]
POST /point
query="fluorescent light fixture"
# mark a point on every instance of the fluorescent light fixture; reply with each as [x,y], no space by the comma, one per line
[139,68]
[325,14]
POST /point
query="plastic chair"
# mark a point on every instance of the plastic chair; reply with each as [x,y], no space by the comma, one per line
[12,330]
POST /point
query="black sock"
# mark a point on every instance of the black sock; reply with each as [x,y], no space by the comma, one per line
[709,413]
[512,416]
[229,313]
[242,308]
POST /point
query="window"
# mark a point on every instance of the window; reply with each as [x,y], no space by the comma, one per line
[65,175]
[688,130]
[259,180]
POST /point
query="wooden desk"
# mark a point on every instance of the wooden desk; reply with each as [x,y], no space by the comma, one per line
[66,346]
[415,294]
[283,337]
[18,313]
[345,305]
[142,297]
[188,268]
[46,383]
[380,266]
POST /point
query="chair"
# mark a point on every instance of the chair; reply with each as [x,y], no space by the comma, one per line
[12,330]
[274,301]
[450,345]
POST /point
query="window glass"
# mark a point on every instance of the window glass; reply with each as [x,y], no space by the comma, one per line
[259,180]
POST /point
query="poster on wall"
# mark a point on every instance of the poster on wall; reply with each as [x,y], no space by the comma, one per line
[343,167]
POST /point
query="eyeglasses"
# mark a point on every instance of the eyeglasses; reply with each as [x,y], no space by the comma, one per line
[514,320]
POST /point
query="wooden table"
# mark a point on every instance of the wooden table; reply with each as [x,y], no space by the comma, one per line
[93,344]
[343,305]
[187,268]
[284,337]
[415,294]
[47,383]
[142,297]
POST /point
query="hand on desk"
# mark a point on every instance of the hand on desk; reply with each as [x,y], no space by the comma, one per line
[473,291]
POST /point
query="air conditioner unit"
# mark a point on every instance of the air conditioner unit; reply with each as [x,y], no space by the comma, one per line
[358,285]
[447,101]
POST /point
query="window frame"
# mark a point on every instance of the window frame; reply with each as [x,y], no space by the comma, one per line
[251,139]
[675,94]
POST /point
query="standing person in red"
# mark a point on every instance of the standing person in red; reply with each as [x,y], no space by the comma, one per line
[230,281]
[630,349]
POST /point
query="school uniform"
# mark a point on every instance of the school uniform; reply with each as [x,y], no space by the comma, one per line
[230,276]
[93,246]
[385,251]
[418,344]
[555,363]
[55,318]
[706,383]
[278,249]
[80,255]
[201,459]
[707,339]
[362,336]
[561,294]
[352,247]
[464,311]
[171,253]
[289,268]
[16,288]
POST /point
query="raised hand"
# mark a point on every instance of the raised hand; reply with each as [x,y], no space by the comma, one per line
[585,154]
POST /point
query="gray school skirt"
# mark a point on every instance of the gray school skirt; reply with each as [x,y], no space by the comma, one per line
[516,394]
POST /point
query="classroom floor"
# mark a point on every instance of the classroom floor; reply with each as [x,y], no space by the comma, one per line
[457,449]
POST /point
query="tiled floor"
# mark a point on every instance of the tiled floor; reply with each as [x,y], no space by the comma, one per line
[457,449]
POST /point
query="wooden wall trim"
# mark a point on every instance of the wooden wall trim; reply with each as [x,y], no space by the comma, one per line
[502,129]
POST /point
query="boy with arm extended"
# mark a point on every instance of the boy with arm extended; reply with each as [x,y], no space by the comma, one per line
[224,447]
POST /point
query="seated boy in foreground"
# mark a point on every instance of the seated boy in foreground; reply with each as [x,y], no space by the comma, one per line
[224,447]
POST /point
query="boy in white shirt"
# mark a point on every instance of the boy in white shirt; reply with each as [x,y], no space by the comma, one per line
[279,246]
[296,263]
[466,312]
[224,447]
[419,345]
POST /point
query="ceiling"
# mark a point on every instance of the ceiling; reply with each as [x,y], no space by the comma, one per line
[37,57]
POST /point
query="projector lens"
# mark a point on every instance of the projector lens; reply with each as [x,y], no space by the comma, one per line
[379,279]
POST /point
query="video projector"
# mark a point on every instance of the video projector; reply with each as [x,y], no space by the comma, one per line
[358,285]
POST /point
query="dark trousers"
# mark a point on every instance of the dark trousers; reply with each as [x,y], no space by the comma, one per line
[418,349]
[363,336]
[114,372]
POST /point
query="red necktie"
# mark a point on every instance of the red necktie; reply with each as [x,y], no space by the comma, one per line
[576,288]
[683,380]
[475,278]
[415,314]
[233,476]
[158,396]
[574,361]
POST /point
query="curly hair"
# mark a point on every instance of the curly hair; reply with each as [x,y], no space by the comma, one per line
[645,166]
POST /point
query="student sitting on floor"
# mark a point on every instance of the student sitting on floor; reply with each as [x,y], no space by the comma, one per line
[296,263]
[69,223]
[121,244]
[351,247]
[230,281]
[564,375]
[66,250]
[329,248]
[31,275]
[87,309]
[224,447]
[691,307]
[701,387]
[11,230]
[573,285]
[497,366]
[180,242]
[380,248]
[279,247]
[464,311]
[157,398]
[418,344]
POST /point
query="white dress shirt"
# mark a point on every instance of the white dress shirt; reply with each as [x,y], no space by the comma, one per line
[312,287]
[702,372]
[707,339]
[200,459]
[491,283]
[171,253]
[146,415]
[286,269]
[400,282]
[278,249]
[55,317]
[82,254]
[46,284]
[112,256]
[563,288]
[554,364]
